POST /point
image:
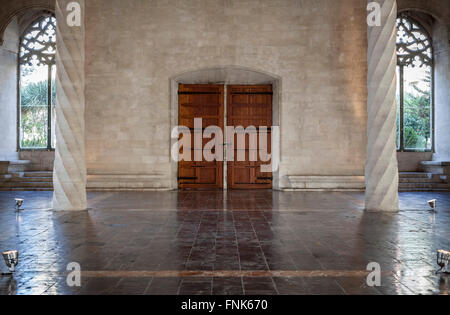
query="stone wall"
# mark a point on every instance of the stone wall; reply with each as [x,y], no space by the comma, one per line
[410,161]
[316,47]
[39,160]
[8,92]
[442,89]
[133,48]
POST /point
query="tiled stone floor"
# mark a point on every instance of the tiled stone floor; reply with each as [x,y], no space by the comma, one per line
[242,242]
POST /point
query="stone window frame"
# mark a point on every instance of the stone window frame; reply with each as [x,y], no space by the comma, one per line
[44,59]
[426,60]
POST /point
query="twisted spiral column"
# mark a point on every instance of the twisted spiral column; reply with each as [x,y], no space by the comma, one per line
[69,175]
[381,166]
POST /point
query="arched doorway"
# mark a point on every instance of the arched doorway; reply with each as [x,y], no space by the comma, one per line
[228,77]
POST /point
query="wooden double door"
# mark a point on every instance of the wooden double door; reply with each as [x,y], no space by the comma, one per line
[247,106]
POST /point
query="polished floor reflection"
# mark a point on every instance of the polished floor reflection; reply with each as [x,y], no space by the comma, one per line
[240,242]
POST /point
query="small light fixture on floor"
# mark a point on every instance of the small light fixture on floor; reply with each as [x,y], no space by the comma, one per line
[432,204]
[11,260]
[19,203]
[443,258]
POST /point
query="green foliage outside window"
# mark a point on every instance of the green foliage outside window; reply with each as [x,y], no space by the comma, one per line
[417,113]
[34,112]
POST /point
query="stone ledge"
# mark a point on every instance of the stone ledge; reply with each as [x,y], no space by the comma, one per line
[13,166]
[436,163]
[327,183]
[436,167]
[113,182]
[15,162]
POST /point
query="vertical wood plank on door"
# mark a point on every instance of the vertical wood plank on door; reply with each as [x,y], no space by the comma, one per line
[206,102]
[249,106]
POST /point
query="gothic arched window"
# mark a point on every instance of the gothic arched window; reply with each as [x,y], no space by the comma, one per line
[415,86]
[37,85]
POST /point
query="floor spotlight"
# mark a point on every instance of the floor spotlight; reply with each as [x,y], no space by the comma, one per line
[443,258]
[19,203]
[432,204]
[12,260]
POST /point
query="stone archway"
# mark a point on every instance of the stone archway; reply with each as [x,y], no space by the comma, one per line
[228,75]
[15,18]
[434,18]
[16,7]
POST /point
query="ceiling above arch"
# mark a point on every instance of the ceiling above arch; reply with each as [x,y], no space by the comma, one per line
[11,9]
[438,9]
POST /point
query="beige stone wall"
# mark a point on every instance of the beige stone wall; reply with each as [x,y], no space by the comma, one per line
[410,161]
[8,92]
[317,47]
[39,160]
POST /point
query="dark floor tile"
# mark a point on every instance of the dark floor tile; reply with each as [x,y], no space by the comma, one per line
[163,286]
[357,286]
[131,286]
[323,286]
[291,286]
[189,287]
[227,286]
[252,285]
[98,286]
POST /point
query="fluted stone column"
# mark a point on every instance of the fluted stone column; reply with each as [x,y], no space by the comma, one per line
[381,166]
[69,176]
